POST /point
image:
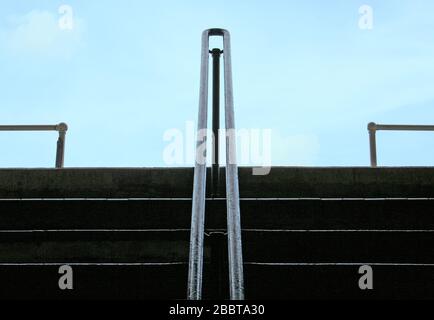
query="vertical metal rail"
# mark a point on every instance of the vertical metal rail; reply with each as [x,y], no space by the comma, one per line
[373,128]
[373,144]
[195,269]
[236,275]
[215,169]
[60,153]
[62,128]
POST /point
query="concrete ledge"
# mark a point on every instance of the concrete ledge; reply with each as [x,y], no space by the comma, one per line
[178,182]
[95,182]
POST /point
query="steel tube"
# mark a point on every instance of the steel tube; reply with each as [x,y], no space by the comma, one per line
[373,128]
[386,127]
[195,270]
[236,273]
[60,153]
[373,148]
[215,169]
[29,128]
[236,276]
[62,128]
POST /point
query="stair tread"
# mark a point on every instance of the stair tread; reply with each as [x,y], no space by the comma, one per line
[176,214]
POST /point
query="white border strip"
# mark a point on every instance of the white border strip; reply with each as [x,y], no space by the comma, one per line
[96,264]
[344,264]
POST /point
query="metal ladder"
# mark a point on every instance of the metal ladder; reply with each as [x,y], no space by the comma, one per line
[195,272]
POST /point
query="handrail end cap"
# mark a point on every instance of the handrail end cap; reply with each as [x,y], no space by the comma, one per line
[372,126]
[62,127]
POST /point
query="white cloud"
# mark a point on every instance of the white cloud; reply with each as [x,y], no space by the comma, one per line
[37,33]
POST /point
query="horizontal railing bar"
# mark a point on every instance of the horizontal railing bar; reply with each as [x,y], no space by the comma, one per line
[62,128]
[374,127]
[32,128]
[393,127]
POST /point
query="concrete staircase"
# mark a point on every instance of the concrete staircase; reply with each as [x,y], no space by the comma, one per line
[306,232]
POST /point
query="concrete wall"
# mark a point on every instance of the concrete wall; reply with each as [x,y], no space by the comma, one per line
[178,182]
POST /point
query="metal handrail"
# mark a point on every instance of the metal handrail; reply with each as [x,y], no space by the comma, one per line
[236,276]
[215,168]
[62,128]
[373,128]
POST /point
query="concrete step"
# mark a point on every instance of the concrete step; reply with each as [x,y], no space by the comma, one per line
[281,182]
[268,214]
[258,246]
[304,233]
[338,246]
[262,282]
[95,246]
[298,281]
[152,281]
[109,269]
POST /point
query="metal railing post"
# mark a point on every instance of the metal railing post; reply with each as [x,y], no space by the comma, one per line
[195,271]
[373,128]
[60,153]
[215,169]
[373,143]
[236,272]
[62,128]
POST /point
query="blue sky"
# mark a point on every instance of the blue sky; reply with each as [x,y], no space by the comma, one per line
[129,71]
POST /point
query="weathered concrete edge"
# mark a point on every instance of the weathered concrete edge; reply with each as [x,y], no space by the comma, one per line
[178,182]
